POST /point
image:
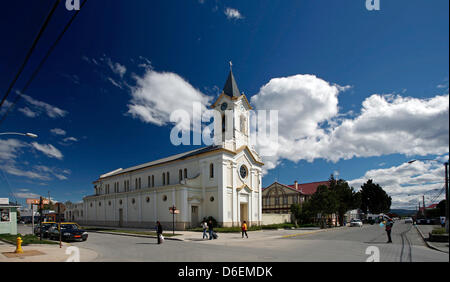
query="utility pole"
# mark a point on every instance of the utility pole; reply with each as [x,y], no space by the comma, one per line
[423,199]
[40,218]
[446,197]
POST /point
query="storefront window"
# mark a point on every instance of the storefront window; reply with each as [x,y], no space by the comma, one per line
[4,214]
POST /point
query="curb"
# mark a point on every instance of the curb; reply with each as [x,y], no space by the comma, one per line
[429,245]
[136,235]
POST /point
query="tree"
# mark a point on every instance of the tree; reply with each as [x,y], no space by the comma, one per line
[324,201]
[347,198]
[441,207]
[374,199]
[302,213]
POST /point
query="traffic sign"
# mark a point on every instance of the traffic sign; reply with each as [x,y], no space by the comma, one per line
[176,211]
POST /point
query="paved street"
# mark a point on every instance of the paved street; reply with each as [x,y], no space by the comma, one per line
[344,244]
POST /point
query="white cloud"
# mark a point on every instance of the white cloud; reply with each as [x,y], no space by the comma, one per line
[9,148]
[38,107]
[406,183]
[158,94]
[27,112]
[73,139]
[58,131]
[26,195]
[311,127]
[233,14]
[116,67]
[48,149]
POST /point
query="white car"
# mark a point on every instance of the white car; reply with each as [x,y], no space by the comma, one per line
[408,220]
[356,222]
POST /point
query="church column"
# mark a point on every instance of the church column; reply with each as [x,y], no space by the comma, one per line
[184,209]
[221,185]
[155,207]
[260,197]
[140,206]
[234,202]
[203,169]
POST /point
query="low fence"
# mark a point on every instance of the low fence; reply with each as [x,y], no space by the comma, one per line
[275,218]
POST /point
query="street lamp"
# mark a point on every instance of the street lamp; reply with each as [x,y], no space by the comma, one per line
[446,188]
[32,135]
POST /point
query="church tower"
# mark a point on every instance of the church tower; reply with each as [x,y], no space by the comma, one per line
[235,110]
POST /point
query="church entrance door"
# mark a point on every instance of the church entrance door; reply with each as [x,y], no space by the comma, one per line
[244,213]
[194,216]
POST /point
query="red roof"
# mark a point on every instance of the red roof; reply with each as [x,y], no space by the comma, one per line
[433,206]
[309,188]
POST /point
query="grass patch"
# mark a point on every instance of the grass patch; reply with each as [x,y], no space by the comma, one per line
[27,239]
[438,231]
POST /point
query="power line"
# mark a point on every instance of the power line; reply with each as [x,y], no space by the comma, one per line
[36,40]
[36,71]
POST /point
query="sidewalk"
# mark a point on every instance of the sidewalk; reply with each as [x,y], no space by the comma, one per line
[197,236]
[424,230]
[42,253]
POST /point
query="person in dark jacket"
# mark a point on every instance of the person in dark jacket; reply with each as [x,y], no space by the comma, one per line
[389,224]
[210,229]
[159,231]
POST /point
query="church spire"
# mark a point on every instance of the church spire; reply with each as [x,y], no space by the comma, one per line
[231,89]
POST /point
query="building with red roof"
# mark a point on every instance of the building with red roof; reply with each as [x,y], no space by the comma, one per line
[278,198]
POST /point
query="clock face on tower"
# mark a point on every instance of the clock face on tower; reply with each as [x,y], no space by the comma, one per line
[224,106]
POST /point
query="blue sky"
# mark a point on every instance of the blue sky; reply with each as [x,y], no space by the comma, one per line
[388,70]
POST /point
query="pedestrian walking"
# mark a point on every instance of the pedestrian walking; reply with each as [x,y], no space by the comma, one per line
[159,232]
[442,221]
[389,224]
[244,229]
[205,227]
[211,230]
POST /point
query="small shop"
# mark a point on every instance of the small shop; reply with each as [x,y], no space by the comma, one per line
[8,217]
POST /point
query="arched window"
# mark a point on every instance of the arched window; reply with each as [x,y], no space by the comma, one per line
[180,175]
[164,178]
[185,173]
[211,171]
[168,178]
[149,182]
[153,181]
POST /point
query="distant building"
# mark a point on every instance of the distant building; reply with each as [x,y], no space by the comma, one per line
[278,198]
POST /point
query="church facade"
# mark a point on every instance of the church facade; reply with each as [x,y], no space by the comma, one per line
[223,181]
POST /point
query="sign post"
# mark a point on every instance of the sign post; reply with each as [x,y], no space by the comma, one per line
[37,202]
[173,210]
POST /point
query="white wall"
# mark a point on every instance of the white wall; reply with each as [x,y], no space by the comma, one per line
[273,218]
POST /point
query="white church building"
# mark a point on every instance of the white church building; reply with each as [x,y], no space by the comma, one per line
[223,181]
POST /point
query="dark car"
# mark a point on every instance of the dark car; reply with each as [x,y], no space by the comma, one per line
[45,227]
[69,232]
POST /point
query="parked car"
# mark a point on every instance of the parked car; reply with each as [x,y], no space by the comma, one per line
[70,231]
[45,228]
[408,220]
[356,222]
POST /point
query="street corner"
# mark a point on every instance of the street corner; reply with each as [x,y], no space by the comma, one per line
[46,253]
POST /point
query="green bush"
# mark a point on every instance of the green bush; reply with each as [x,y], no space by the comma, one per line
[27,239]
